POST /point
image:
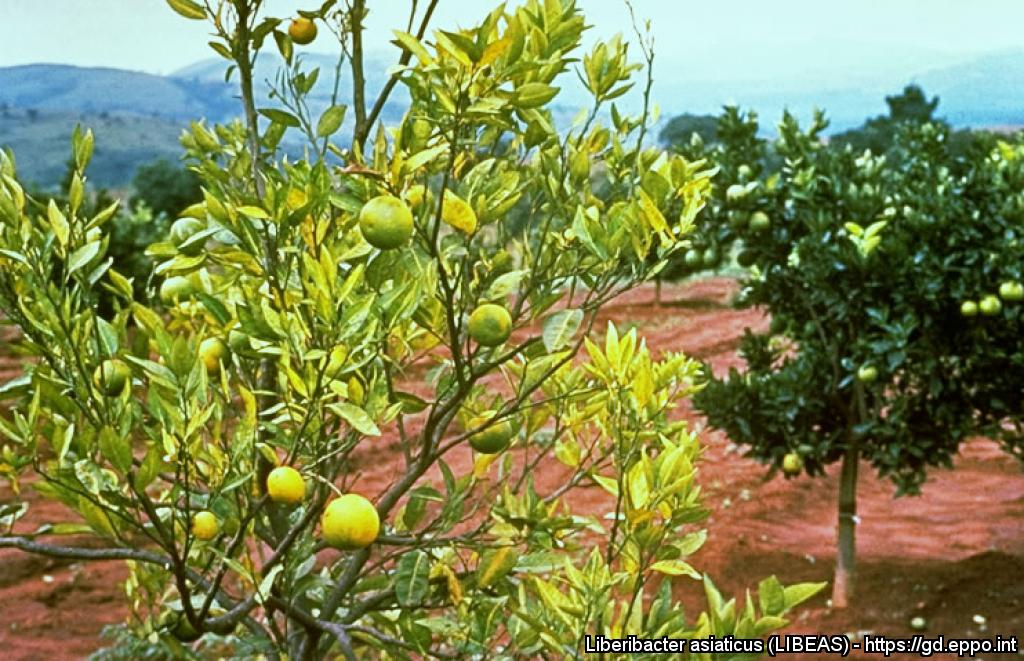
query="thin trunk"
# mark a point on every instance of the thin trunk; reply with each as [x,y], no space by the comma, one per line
[846,569]
[843,586]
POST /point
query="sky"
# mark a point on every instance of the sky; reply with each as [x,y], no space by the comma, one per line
[695,40]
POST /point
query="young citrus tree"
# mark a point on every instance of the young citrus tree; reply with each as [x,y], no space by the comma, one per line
[373,289]
[893,283]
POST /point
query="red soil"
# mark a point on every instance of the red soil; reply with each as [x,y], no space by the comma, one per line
[954,553]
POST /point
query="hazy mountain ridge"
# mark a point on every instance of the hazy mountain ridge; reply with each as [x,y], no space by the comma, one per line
[981,92]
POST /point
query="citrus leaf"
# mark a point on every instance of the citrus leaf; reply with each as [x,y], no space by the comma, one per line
[83,256]
[280,116]
[456,212]
[330,121]
[188,9]
[411,578]
[59,223]
[495,564]
[560,328]
[357,418]
[676,568]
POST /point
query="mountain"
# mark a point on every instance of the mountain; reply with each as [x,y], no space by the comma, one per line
[41,143]
[138,116]
[988,91]
[65,88]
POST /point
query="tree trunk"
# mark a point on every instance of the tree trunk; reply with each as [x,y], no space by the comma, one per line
[846,568]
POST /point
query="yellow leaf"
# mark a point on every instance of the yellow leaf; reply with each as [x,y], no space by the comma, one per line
[295,199]
[482,464]
[494,50]
[652,214]
[495,564]
[457,213]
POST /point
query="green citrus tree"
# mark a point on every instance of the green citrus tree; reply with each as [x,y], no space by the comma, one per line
[374,289]
[892,283]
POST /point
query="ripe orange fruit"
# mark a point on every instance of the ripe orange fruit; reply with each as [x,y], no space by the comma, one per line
[110,377]
[285,485]
[490,324]
[386,222]
[302,31]
[350,522]
[205,525]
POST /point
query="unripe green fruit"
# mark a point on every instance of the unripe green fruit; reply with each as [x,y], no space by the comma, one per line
[212,351]
[238,341]
[969,309]
[990,306]
[490,325]
[710,258]
[693,258]
[493,438]
[759,221]
[1011,291]
[792,464]
[867,374]
[111,376]
[386,222]
[176,289]
[735,192]
[184,229]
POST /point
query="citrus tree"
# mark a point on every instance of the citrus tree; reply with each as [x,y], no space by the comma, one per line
[893,283]
[370,303]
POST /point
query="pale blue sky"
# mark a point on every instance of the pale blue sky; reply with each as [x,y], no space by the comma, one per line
[715,39]
[709,51]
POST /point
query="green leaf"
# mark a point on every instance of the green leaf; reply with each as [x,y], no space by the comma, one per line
[356,417]
[330,121]
[505,284]
[534,95]
[15,387]
[771,596]
[59,223]
[83,256]
[421,158]
[560,328]
[413,45]
[108,335]
[411,576]
[280,117]
[115,449]
[188,9]
[216,308]
[676,568]
[284,45]
[801,592]
[411,404]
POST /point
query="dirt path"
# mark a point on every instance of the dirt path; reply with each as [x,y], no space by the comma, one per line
[954,553]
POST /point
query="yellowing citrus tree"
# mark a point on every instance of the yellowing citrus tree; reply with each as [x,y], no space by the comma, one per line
[376,289]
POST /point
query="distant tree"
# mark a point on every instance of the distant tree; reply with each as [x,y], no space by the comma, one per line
[912,105]
[165,188]
[877,133]
[681,128]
